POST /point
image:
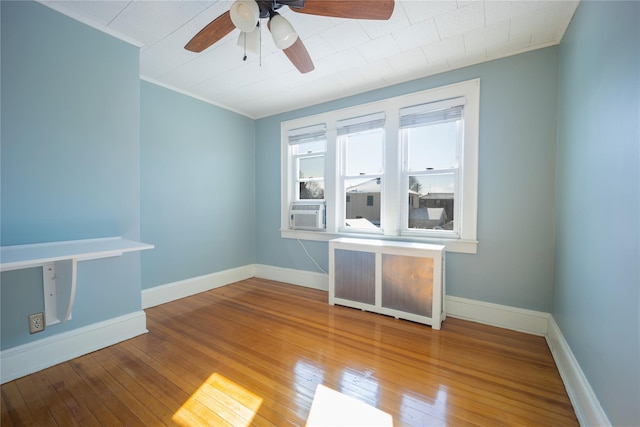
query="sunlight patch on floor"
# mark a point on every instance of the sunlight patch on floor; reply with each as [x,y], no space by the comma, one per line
[332,408]
[219,398]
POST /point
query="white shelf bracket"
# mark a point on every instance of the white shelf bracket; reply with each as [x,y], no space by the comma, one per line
[59,280]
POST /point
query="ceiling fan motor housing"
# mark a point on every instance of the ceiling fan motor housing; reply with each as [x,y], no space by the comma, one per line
[266,6]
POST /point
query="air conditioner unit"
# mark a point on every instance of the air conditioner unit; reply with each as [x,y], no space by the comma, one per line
[307,216]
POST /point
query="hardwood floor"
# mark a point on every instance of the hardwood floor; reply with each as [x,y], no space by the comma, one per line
[252,353]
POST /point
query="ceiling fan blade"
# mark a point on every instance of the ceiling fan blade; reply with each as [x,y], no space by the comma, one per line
[299,56]
[214,31]
[354,9]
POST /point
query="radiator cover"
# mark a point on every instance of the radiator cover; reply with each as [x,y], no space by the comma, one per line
[404,280]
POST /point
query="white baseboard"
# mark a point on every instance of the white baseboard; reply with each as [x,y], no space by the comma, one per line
[585,403]
[517,319]
[28,358]
[184,288]
[308,279]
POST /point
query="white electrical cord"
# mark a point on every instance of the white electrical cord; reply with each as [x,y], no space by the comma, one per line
[310,257]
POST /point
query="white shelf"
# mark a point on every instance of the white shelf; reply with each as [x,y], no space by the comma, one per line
[59,263]
[36,255]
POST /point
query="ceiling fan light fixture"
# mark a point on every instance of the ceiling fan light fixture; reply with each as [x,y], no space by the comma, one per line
[250,41]
[245,14]
[282,32]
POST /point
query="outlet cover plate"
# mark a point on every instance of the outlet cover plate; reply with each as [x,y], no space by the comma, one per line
[36,322]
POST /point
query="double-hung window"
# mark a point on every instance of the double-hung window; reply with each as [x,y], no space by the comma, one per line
[403,167]
[307,147]
[361,147]
[431,137]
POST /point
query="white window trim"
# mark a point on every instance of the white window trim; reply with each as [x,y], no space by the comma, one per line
[467,241]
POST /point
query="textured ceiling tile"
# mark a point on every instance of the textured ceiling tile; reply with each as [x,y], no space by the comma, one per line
[308,25]
[467,18]
[345,59]
[345,36]
[379,48]
[543,25]
[408,62]
[376,28]
[446,50]
[380,69]
[100,12]
[480,40]
[558,12]
[500,11]
[417,35]
[151,21]
[418,11]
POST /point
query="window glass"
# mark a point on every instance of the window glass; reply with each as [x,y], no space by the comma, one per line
[363,153]
[362,207]
[311,190]
[431,201]
[311,167]
[433,146]
[310,147]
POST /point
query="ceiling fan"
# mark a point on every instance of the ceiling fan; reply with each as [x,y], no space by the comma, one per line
[246,14]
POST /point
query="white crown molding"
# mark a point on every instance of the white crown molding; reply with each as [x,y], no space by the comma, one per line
[37,355]
[95,25]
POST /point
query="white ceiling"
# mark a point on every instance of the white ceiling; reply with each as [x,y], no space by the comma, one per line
[423,37]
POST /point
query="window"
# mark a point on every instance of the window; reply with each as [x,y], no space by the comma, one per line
[431,135]
[404,167]
[307,148]
[361,142]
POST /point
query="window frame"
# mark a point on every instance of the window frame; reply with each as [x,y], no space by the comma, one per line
[455,170]
[296,157]
[393,225]
[344,175]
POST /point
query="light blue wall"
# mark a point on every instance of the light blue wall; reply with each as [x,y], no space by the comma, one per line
[70,160]
[514,263]
[197,185]
[597,280]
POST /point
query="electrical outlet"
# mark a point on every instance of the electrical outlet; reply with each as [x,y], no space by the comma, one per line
[36,322]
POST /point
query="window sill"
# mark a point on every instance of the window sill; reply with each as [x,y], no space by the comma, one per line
[451,245]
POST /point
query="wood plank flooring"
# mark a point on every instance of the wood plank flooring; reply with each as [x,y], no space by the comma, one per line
[252,353]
